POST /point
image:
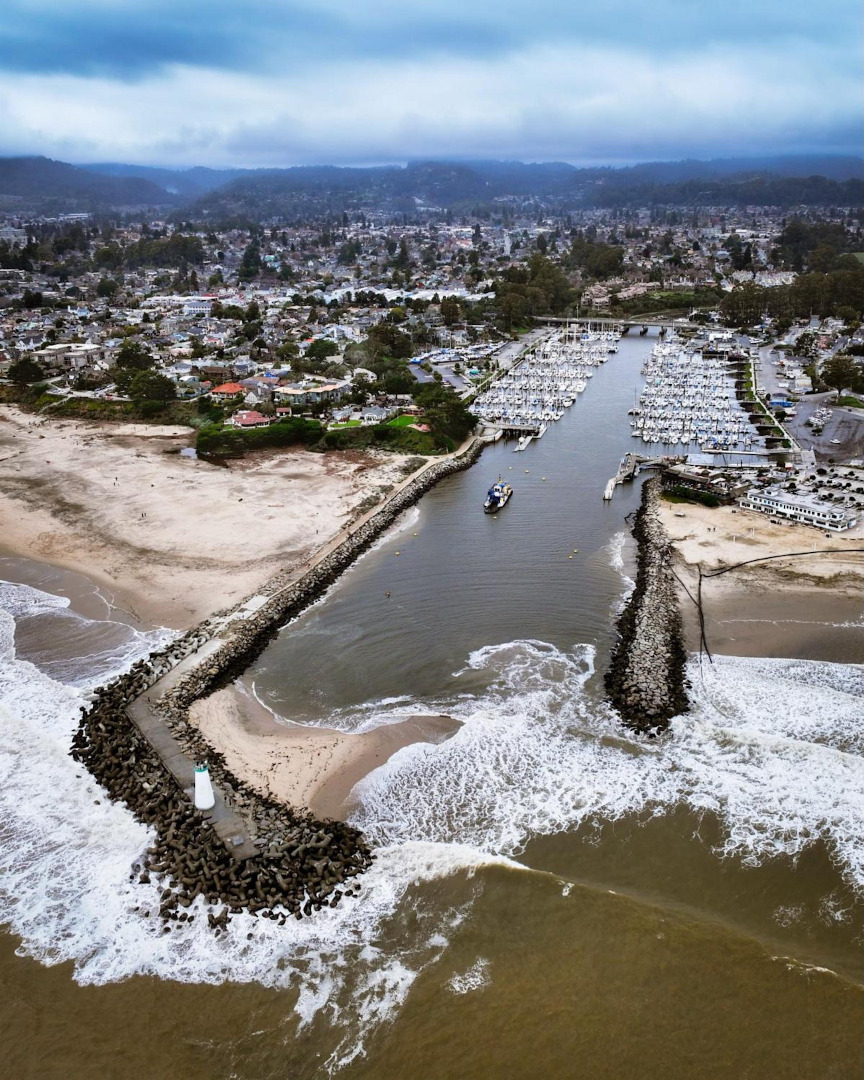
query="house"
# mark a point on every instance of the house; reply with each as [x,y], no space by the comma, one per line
[226,391]
[311,392]
[804,508]
[374,414]
[703,479]
[249,418]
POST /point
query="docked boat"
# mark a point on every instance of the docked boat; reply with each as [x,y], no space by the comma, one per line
[497,496]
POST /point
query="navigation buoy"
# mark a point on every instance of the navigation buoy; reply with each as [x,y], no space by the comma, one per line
[575,551]
[204,797]
[543,478]
[398,553]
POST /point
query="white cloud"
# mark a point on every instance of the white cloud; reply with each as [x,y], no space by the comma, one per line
[566,102]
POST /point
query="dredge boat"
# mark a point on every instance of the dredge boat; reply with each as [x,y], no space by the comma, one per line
[497,496]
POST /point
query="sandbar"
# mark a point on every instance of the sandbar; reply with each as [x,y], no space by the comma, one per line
[300,765]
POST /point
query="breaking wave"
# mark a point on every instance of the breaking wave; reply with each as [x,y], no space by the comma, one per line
[772,747]
[67,891]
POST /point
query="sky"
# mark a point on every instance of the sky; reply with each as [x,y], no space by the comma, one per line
[276,82]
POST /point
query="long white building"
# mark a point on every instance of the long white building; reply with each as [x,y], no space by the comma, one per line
[807,509]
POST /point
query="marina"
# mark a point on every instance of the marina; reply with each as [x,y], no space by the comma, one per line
[500,622]
[689,397]
[540,388]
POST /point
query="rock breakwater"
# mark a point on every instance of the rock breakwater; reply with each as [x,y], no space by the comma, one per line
[646,680]
[300,864]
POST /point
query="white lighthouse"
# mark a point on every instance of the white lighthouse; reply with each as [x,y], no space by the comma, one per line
[204,797]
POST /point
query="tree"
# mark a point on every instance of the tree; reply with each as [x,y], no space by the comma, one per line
[451,310]
[151,386]
[133,355]
[107,287]
[444,411]
[320,349]
[250,267]
[25,371]
[843,372]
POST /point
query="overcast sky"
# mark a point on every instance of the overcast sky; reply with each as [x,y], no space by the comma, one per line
[278,82]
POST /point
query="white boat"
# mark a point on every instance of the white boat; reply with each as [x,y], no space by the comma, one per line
[497,497]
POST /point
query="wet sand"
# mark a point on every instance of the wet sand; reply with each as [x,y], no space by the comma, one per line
[303,766]
[809,607]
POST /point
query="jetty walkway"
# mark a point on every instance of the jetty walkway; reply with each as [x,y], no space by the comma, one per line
[216,651]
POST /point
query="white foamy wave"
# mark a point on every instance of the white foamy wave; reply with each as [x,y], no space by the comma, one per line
[475,978]
[71,648]
[66,888]
[615,549]
[406,522]
[23,600]
[770,746]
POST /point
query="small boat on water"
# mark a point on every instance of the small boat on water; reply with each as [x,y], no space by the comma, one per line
[497,496]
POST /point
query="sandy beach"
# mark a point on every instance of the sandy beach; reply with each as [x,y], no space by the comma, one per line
[809,607]
[300,765]
[173,537]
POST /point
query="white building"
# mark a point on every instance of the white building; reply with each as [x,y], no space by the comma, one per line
[806,509]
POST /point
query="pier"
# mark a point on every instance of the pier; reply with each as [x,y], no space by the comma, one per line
[630,467]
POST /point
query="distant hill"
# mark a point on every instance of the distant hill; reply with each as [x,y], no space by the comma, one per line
[799,165]
[297,193]
[44,185]
[190,183]
[465,186]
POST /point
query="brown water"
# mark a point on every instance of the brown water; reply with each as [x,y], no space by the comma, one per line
[551,897]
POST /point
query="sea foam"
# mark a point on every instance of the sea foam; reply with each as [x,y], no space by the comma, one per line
[67,890]
[772,747]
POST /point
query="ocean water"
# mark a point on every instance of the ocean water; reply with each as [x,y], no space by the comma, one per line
[538,755]
[539,876]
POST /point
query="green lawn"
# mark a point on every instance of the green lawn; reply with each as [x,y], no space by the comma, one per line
[402,421]
[346,423]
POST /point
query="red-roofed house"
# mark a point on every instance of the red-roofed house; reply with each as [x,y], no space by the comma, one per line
[227,390]
[249,418]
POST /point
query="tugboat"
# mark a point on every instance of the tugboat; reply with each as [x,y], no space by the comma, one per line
[497,496]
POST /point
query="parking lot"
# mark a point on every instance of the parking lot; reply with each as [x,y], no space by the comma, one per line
[842,436]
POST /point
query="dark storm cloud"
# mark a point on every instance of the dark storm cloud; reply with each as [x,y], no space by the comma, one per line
[132,40]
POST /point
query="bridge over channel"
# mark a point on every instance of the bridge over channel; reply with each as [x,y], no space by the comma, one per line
[611,321]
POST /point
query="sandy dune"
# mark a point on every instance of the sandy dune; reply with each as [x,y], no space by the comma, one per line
[174,537]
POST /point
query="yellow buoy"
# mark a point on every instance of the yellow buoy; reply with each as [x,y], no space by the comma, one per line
[569,556]
[398,553]
[575,551]
[543,478]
